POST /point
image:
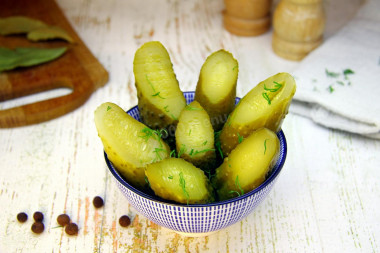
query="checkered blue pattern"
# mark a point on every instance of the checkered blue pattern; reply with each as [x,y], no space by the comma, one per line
[202,218]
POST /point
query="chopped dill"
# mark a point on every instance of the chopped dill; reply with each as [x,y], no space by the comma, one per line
[182,183]
[331,89]
[240,138]
[217,143]
[170,177]
[172,153]
[157,152]
[157,95]
[235,67]
[196,152]
[265,146]
[204,143]
[166,108]
[276,87]
[331,74]
[182,150]
[266,97]
[109,108]
[190,108]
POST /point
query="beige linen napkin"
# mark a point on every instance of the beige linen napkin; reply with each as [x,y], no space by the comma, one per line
[339,82]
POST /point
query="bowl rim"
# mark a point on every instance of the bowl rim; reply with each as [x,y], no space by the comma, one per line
[279,165]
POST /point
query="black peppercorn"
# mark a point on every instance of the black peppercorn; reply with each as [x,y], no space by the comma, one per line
[71,229]
[38,216]
[124,221]
[22,217]
[63,219]
[98,202]
[38,227]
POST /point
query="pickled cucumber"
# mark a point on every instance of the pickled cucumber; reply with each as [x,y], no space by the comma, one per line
[129,144]
[195,137]
[216,88]
[160,99]
[266,105]
[178,180]
[247,165]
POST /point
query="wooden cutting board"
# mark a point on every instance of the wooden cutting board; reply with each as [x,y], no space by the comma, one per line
[77,69]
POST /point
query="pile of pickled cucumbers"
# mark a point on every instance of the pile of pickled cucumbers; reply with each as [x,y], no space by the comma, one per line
[206,151]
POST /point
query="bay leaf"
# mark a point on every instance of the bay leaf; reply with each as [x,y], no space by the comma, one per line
[25,57]
[48,33]
[19,24]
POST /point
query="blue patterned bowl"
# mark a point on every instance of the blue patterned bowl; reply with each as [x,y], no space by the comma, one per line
[199,219]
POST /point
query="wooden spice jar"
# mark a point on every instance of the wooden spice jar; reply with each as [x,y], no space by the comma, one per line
[298,27]
[247,17]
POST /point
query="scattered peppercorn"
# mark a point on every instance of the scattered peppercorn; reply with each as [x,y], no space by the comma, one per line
[22,217]
[98,202]
[63,219]
[71,229]
[38,216]
[38,227]
[124,221]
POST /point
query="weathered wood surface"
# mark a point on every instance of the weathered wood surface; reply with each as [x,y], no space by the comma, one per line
[326,199]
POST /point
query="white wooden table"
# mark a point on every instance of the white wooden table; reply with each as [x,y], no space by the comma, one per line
[326,199]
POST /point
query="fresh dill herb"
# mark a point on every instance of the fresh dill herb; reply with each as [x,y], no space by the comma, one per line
[182,183]
[157,152]
[240,138]
[196,152]
[340,83]
[147,181]
[266,97]
[154,90]
[172,153]
[157,95]
[148,133]
[170,177]
[109,108]
[204,143]
[218,143]
[190,108]
[191,152]
[265,146]
[236,66]
[331,74]
[166,108]
[348,72]
[238,186]
[275,88]
[331,89]
[173,117]
[182,150]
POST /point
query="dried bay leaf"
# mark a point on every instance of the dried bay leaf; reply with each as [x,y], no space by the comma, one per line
[25,57]
[19,24]
[49,32]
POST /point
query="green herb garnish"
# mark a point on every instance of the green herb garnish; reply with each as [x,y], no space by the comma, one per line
[109,108]
[170,177]
[235,67]
[217,142]
[348,72]
[172,153]
[265,146]
[331,74]
[157,95]
[331,89]
[266,97]
[166,108]
[154,90]
[196,152]
[157,152]
[182,150]
[275,88]
[182,183]
[238,187]
[190,108]
[240,138]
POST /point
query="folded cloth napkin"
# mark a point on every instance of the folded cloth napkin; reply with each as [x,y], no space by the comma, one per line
[338,84]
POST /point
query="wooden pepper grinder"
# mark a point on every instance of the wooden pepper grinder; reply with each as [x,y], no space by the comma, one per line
[247,17]
[298,27]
